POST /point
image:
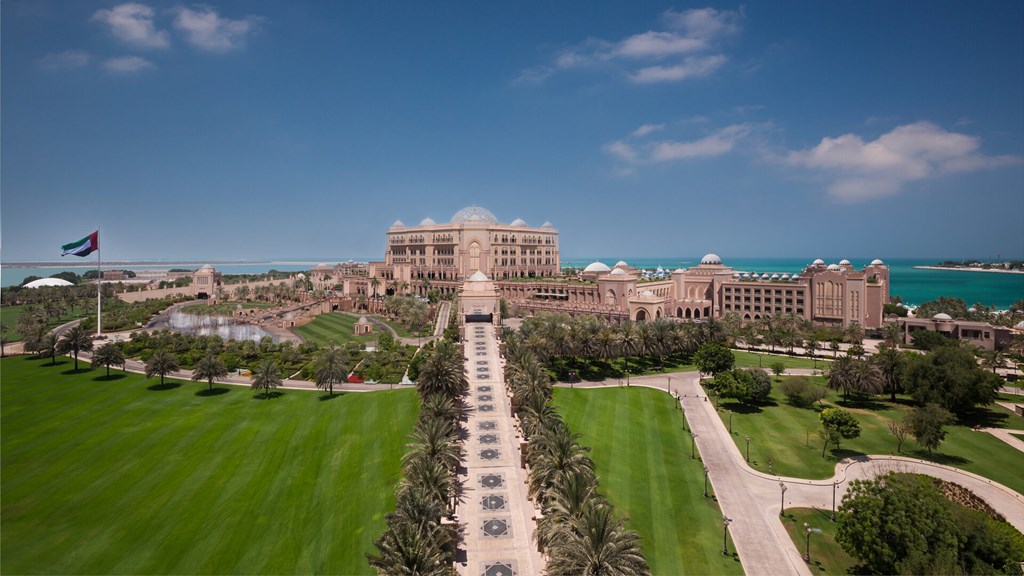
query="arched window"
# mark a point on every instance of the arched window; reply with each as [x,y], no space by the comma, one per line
[474,257]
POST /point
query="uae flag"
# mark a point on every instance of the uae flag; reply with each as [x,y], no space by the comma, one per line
[83,247]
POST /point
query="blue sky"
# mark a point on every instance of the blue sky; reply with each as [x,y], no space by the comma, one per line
[276,130]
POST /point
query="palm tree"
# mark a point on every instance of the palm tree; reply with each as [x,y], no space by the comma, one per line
[566,500]
[841,376]
[867,378]
[442,371]
[892,334]
[110,354]
[44,344]
[374,284]
[161,363]
[405,550]
[330,368]
[76,339]
[992,359]
[436,439]
[812,345]
[266,376]
[890,362]
[833,345]
[209,368]
[554,452]
[596,544]
[628,341]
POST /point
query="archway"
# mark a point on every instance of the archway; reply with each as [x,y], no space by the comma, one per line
[641,315]
[696,313]
[689,314]
[679,312]
[474,257]
[657,313]
[609,297]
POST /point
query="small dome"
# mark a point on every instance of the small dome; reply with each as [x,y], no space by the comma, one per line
[745,275]
[679,270]
[844,262]
[764,276]
[618,272]
[621,264]
[428,221]
[547,225]
[795,277]
[942,316]
[972,309]
[300,276]
[208,267]
[363,320]
[398,224]
[818,262]
[597,267]
[775,276]
[478,276]
[735,274]
[834,267]
[711,259]
[785,276]
[48,282]
[877,262]
[646,294]
[519,223]
[474,214]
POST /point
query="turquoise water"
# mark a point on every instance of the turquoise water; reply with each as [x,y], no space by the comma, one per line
[14,276]
[915,286]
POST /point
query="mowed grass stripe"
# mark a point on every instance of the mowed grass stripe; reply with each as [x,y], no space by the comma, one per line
[165,481]
[643,463]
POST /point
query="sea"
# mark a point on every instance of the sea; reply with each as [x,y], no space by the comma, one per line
[915,286]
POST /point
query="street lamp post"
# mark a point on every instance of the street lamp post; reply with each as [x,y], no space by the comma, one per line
[669,385]
[748,448]
[705,481]
[730,421]
[681,407]
[693,437]
[807,550]
[782,511]
[627,377]
[725,534]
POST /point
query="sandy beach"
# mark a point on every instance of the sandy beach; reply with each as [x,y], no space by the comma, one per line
[969,269]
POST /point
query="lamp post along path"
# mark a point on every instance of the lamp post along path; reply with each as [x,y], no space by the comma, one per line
[725,534]
[782,510]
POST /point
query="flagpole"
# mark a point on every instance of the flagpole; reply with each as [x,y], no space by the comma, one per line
[99,286]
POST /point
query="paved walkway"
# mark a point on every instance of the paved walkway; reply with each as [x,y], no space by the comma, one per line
[753,499]
[496,514]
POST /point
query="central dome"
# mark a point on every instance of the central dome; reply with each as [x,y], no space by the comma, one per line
[474,214]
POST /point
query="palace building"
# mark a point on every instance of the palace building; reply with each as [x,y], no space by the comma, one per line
[524,265]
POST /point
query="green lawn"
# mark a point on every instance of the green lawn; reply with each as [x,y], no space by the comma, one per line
[9,316]
[746,359]
[334,326]
[643,463]
[117,477]
[402,330]
[827,556]
[789,436]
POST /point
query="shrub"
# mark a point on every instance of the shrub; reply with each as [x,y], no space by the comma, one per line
[801,390]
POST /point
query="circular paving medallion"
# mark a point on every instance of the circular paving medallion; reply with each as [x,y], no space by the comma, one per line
[489,439]
[490,454]
[491,481]
[488,425]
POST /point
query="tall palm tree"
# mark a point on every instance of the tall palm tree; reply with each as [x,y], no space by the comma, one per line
[266,376]
[867,378]
[554,452]
[565,500]
[209,368]
[890,361]
[330,368]
[435,439]
[892,334]
[110,354]
[374,285]
[443,371]
[628,341]
[406,550]
[841,376]
[812,345]
[74,340]
[606,343]
[992,359]
[161,363]
[596,544]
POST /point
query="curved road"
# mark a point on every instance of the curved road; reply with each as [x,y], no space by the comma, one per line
[753,499]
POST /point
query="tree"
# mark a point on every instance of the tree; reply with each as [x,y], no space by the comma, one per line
[890,362]
[331,366]
[801,390]
[899,430]
[74,340]
[841,375]
[951,378]
[885,521]
[595,543]
[867,378]
[110,354]
[930,340]
[992,359]
[927,424]
[892,334]
[778,368]
[837,425]
[760,385]
[406,548]
[812,345]
[713,358]
[161,363]
[45,345]
[266,376]
[833,345]
[209,368]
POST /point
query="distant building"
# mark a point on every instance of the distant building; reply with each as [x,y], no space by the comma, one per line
[980,334]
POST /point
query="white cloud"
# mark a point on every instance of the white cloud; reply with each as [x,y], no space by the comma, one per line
[687,45]
[719,142]
[65,60]
[865,170]
[133,24]
[638,152]
[690,67]
[207,30]
[646,129]
[128,65]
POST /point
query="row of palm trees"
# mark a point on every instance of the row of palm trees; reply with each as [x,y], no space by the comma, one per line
[578,529]
[416,540]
